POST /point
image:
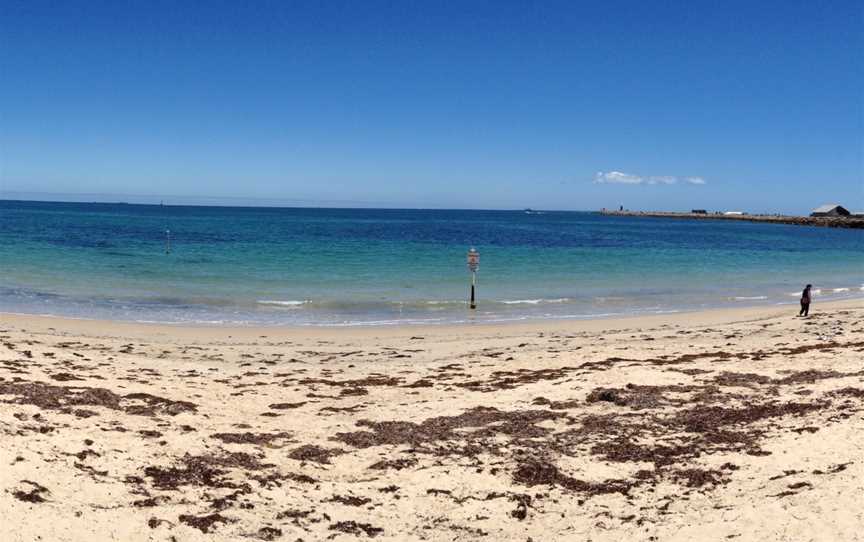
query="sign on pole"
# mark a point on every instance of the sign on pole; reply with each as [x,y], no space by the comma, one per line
[473,265]
[473,260]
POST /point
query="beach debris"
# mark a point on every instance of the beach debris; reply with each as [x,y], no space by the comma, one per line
[286,406]
[203,523]
[265,439]
[488,421]
[508,380]
[269,533]
[32,492]
[355,528]
[202,470]
[49,396]
[349,500]
[394,464]
[538,471]
[317,454]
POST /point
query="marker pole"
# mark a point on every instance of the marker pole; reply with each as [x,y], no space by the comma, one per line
[473,265]
[473,284]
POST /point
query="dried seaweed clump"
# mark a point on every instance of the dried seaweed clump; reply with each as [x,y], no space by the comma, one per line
[317,454]
[35,495]
[355,528]
[203,523]
[286,406]
[538,471]
[394,464]
[251,438]
[204,470]
[269,533]
[640,397]
[702,419]
[372,380]
[508,380]
[857,393]
[53,397]
[350,500]
[154,405]
[491,422]
[748,380]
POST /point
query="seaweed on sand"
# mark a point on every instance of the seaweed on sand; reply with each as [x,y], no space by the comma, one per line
[35,495]
[51,397]
[203,523]
[317,454]
[202,470]
[355,528]
[490,422]
[538,471]
[251,438]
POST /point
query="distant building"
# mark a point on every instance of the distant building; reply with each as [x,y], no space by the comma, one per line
[733,213]
[699,212]
[831,209]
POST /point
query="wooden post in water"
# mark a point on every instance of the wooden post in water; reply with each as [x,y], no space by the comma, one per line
[473,266]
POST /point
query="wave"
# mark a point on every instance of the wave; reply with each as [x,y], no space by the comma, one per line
[429,304]
[280,303]
[535,301]
[368,309]
[821,291]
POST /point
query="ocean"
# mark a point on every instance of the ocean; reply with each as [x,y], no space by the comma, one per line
[346,267]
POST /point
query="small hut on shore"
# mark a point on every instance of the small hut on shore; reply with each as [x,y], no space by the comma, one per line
[830,209]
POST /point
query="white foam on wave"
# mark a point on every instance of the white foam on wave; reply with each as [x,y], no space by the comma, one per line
[750,298]
[280,303]
[534,301]
[819,291]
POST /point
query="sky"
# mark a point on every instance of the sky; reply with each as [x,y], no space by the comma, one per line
[754,106]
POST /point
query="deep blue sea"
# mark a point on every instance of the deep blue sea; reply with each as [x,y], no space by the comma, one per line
[303,266]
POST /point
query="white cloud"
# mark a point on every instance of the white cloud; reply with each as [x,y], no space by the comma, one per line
[661,179]
[616,177]
[619,177]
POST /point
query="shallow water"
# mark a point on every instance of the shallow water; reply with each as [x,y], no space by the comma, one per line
[300,266]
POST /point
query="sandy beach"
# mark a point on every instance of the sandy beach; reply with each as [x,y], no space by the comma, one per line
[744,424]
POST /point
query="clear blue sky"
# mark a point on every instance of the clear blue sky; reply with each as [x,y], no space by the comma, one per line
[438,104]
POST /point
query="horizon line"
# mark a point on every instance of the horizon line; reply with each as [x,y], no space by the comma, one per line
[262,203]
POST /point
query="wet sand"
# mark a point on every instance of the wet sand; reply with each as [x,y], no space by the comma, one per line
[743,424]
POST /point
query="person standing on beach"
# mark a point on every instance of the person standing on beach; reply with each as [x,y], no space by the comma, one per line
[805,301]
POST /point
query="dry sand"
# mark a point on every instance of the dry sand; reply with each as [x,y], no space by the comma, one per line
[737,424]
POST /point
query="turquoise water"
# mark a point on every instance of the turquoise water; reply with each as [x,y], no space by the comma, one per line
[299,266]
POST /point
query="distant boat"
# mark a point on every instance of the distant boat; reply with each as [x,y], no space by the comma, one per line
[529,211]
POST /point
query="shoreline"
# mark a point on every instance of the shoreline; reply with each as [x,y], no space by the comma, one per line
[122,328]
[464,317]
